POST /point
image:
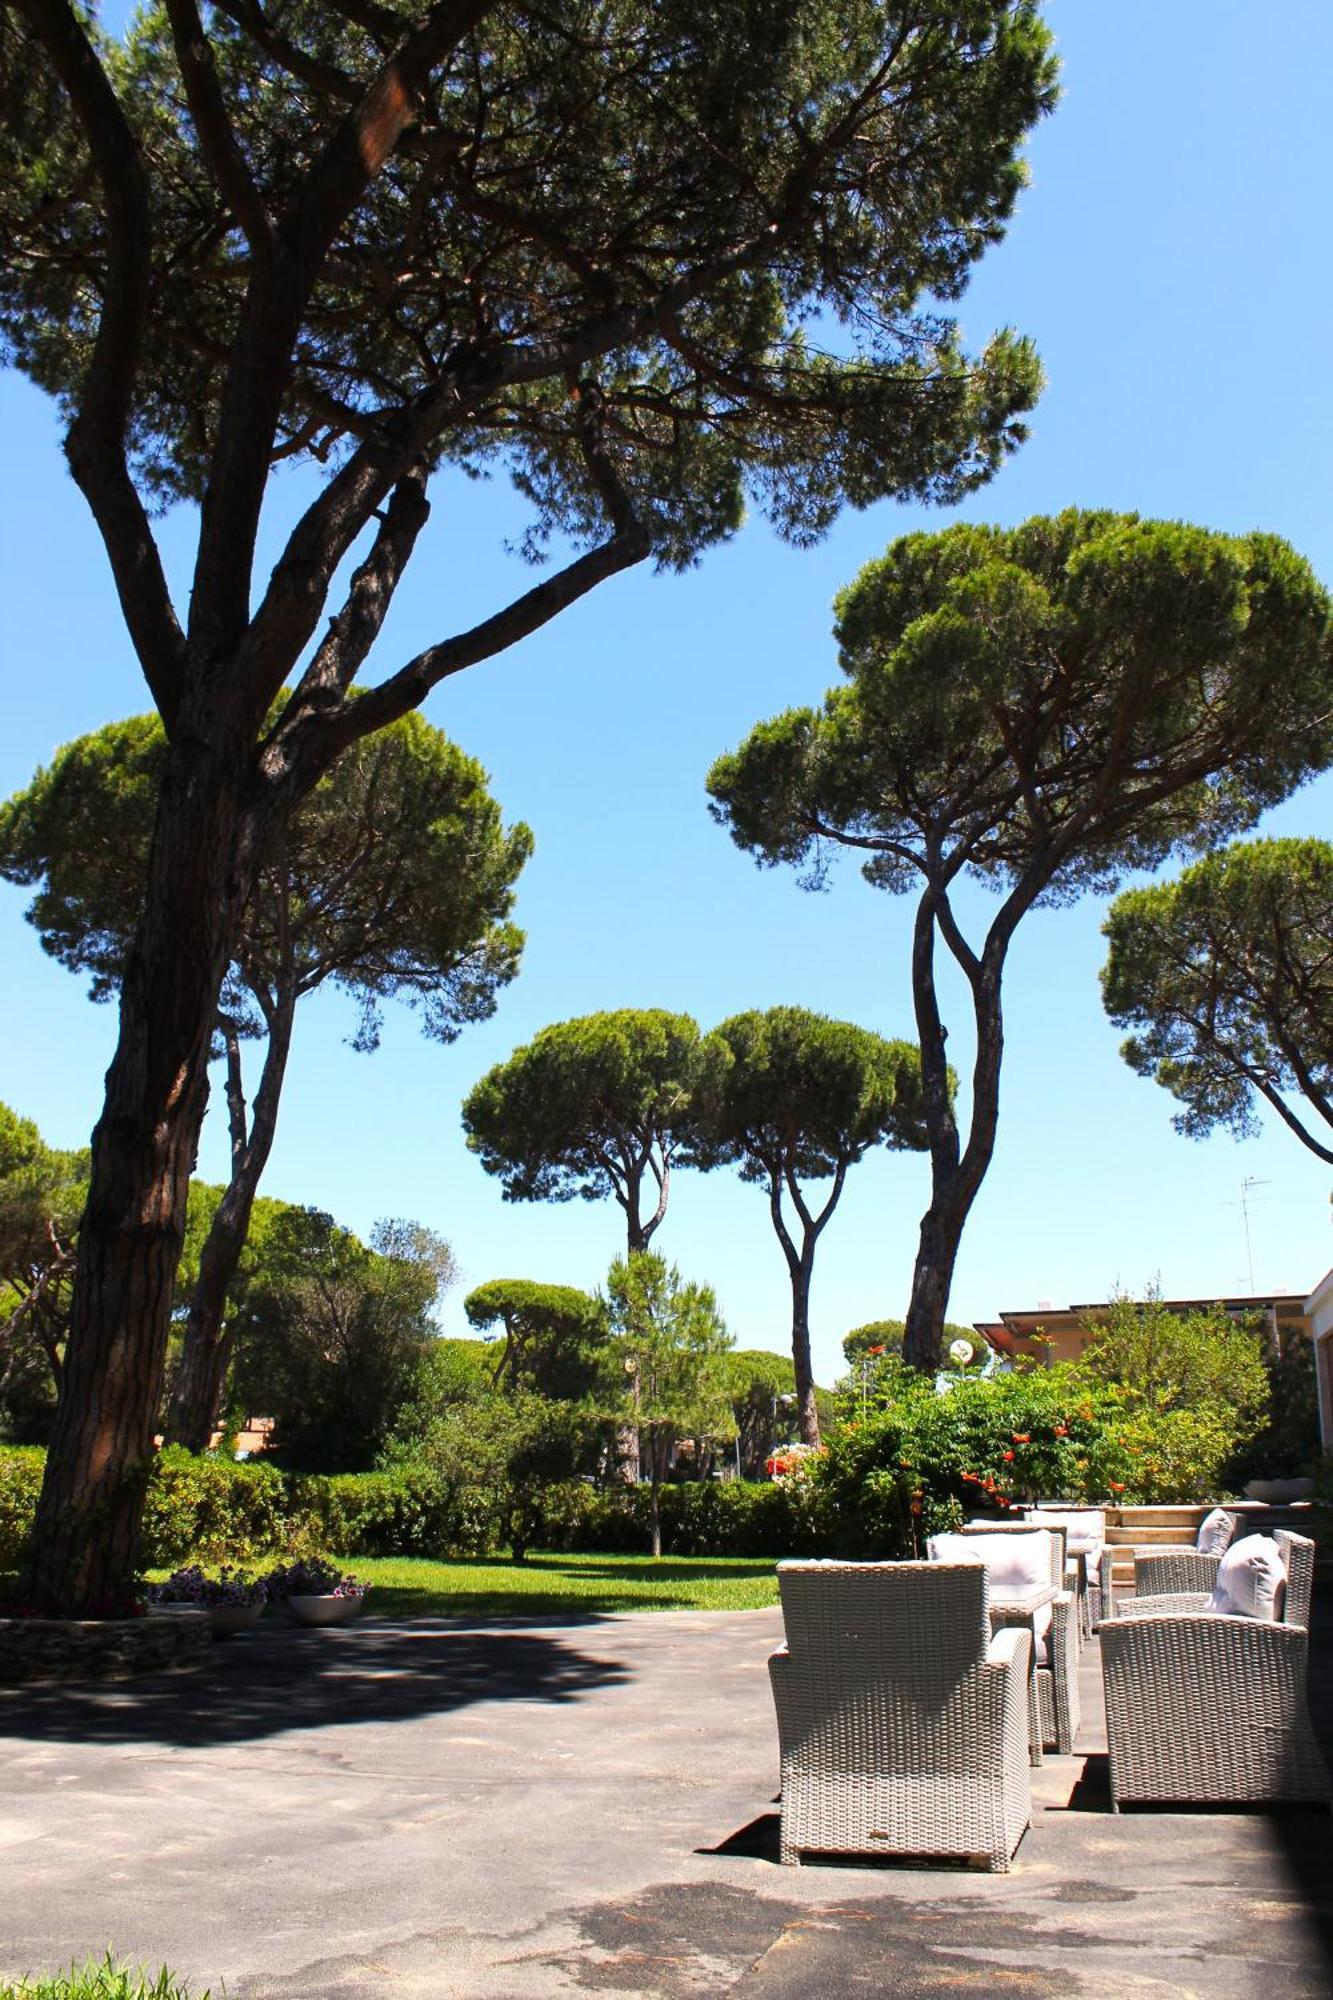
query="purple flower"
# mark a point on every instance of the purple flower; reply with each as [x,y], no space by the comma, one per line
[313,1577]
[191,1586]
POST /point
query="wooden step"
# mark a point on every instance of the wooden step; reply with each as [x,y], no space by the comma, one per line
[1163,1517]
[1143,1537]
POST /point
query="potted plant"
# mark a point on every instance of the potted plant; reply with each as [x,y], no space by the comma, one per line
[231,1600]
[316,1592]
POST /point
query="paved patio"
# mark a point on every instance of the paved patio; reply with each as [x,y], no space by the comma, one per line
[498,1813]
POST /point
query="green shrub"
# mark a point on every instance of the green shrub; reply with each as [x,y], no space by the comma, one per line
[407,1510]
[731,1517]
[214,1509]
[1174,1455]
[926,1461]
[20,1483]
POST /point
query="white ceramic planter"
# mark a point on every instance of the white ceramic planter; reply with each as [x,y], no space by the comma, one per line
[324,1610]
[228,1618]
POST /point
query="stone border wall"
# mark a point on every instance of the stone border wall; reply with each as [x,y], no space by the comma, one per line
[102,1649]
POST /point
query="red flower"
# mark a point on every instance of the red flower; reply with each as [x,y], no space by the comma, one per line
[1007,1455]
[1062,1430]
[1116,1485]
[1021,1437]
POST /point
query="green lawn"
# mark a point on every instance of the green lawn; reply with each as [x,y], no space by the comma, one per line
[550,1586]
[555,1586]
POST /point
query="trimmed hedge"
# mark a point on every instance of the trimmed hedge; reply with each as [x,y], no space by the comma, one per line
[218,1510]
[730,1517]
[215,1509]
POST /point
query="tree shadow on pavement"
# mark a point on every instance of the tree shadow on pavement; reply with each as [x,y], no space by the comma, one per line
[280,1678]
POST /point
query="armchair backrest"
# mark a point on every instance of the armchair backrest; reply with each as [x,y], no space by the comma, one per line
[1298,1555]
[1085,1527]
[1055,1539]
[906,1620]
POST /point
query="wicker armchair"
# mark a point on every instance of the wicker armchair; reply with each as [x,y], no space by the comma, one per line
[902,1724]
[1188,1578]
[1057,1674]
[1208,1707]
[1159,1572]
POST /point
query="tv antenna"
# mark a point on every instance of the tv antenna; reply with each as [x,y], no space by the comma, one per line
[1244,1206]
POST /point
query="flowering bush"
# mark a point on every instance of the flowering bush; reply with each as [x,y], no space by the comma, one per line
[191,1586]
[313,1577]
[791,1461]
[928,1460]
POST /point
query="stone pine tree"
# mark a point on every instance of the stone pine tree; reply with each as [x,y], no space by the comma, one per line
[551,1335]
[543,1425]
[593,1107]
[791,1097]
[590,249]
[1226,978]
[392,880]
[1037,709]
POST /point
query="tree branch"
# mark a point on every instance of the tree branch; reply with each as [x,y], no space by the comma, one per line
[353,630]
[275,304]
[96,442]
[218,143]
[411,684]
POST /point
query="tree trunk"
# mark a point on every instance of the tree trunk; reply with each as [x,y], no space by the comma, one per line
[807,1412]
[196,1393]
[85,1541]
[655,1487]
[932,1279]
[955,1177]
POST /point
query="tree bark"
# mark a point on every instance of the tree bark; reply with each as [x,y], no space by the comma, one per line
[801,1265]
[655,1490]
[84,1547]
[196,1394]
[807,1411]
[956,1176]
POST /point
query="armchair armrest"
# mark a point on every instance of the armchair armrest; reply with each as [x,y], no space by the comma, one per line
[1105,1571]
[1010,1648]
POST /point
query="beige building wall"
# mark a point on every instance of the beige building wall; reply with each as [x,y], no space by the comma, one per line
[1060,1333]
[1319,1308]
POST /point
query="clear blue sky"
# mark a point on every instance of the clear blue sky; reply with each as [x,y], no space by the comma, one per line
[1171,259]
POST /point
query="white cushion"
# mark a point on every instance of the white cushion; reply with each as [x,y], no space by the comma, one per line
[1251,1580]
[1015,1570]
[1085,1528]
[953,1549]
[1215,1532]
[1015,1564]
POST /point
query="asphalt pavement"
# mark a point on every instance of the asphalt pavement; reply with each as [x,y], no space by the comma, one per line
[518,1812]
